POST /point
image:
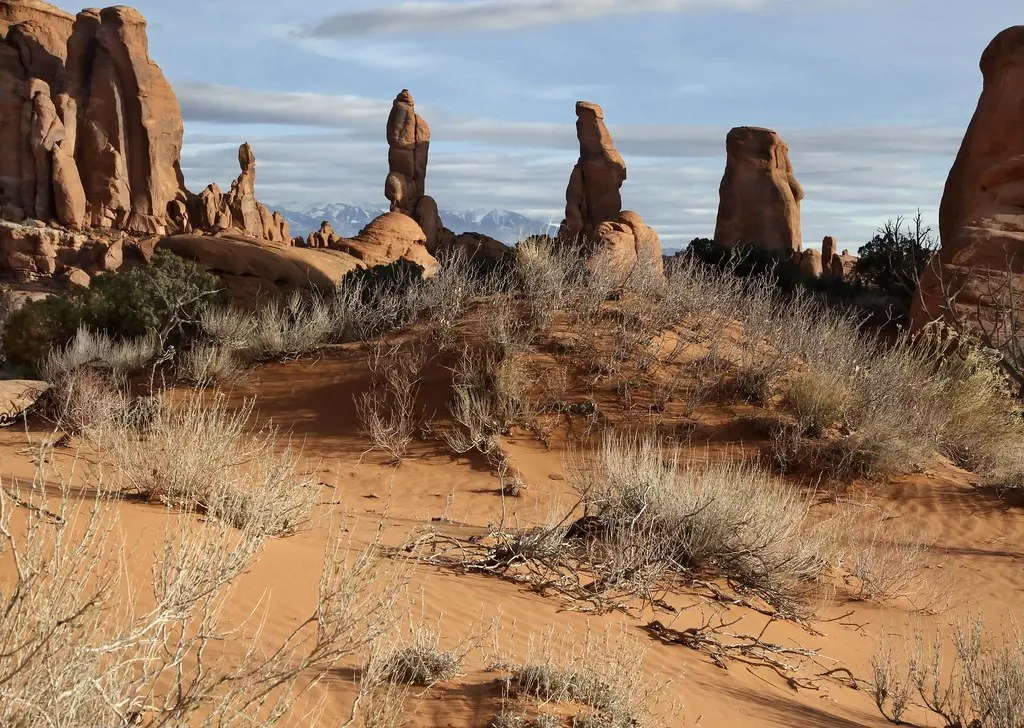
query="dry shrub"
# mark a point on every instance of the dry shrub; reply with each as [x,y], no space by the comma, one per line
[206,364]
[887,563]
[228,327]
[387,411]
[93,350]
[982,684]
[603,673]
[202,455]
[298,325]
[489,397]
[86,401]
[81,649]
[728,519]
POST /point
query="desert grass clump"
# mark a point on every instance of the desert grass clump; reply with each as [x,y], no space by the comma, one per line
[202,455]
[300,324]
[422,662]
[206,364]
[593,674]
[729,519]
[817,401]
[95,350]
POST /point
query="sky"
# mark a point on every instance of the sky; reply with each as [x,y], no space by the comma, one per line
[872,97]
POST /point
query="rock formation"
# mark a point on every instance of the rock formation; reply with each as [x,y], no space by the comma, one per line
[408,138]
[91,131]
[759,198]
[831,261]
[392,236]
[810,263]
[594,218]
[324,237]
[981,218]
[238,211]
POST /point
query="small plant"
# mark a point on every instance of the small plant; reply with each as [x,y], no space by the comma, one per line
[817,401]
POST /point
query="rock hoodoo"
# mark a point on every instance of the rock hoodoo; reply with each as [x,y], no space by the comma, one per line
[408,138]
[759,198]
[594,218]
[238,211]
[981,218]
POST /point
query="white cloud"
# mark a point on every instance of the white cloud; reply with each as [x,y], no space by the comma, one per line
[431,16]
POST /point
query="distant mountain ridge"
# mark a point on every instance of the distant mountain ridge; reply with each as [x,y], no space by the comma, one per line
[347,220]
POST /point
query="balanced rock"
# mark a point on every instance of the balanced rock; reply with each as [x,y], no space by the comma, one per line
[981,217]
[759,198]
[408,137]
[595,222]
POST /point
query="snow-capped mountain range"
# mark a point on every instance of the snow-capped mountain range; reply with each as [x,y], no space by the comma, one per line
[347,220]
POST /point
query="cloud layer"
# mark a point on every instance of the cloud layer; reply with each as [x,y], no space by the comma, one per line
[431,16]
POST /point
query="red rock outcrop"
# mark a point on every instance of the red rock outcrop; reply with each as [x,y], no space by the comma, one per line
[408,138]
[981,217]
[759,198]
[811,263]
[91,131]
[392,236]
[594,219]
[238,211]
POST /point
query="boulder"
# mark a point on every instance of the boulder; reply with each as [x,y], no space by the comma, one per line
[253,270]
[810,263]
[759,198]
[981,217]
[472,246]
[391,237]
[76,277]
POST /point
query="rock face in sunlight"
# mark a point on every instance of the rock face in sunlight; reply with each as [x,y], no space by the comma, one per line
[594,218]
[759,198]
[408,138]
[238,211]
[978,273]
[390,237]
[91,131]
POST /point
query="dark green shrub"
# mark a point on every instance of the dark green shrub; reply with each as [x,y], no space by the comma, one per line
[163,298]
[384,280]
[895,258]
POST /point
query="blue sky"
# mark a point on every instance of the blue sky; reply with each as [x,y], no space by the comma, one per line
[872,96]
